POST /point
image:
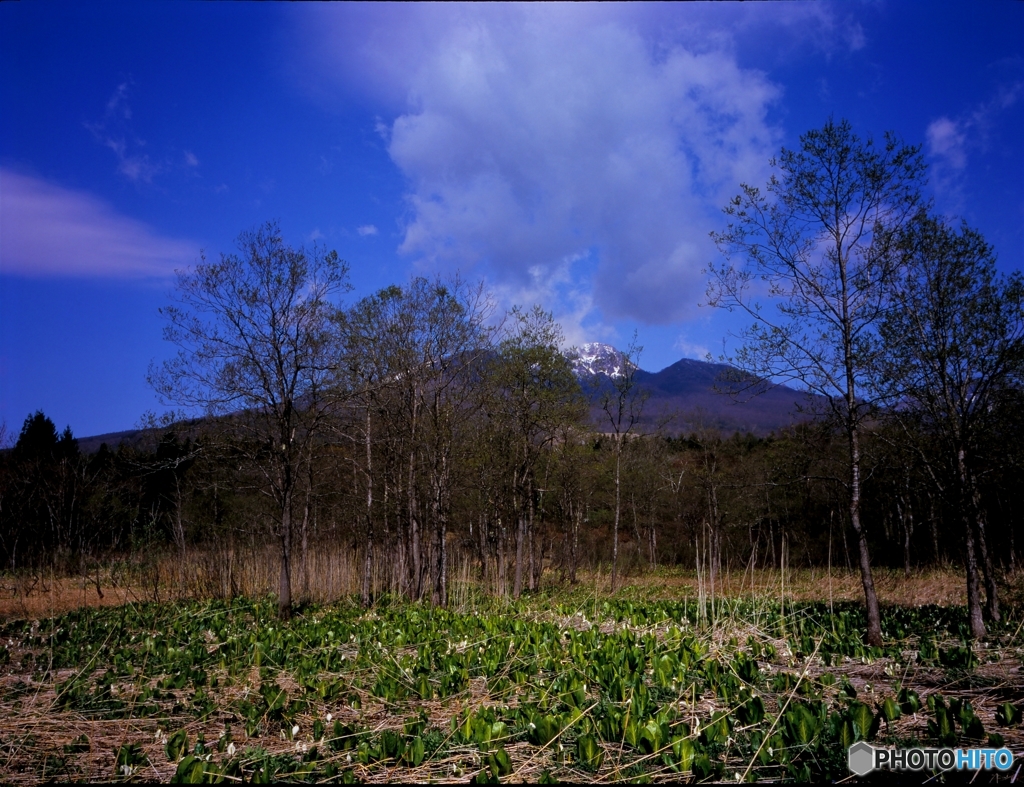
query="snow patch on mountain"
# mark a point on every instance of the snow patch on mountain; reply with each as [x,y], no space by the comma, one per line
[597,358]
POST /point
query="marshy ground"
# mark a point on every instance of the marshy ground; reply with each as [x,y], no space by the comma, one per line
[765,678]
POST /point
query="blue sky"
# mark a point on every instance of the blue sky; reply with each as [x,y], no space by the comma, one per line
[576,156]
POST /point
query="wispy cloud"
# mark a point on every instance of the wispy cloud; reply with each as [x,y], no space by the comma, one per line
[951,141]
[114,131]
[696,350]
[50,231]
[366,229]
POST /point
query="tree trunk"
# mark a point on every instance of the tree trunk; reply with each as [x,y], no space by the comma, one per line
[439,483]
[368,557]
[974,614]
[482,539]
[988,570]
[575,553]
[502,559]
[618,506]
[305,530]
[442,534]
[906,514]
[933,526]
[305,550]
[284,597]
[652,545]
[531,546]
[517,587]
[874,632]
[414,533]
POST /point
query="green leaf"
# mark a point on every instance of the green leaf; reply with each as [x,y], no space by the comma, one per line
[974,728]
[129,755]
[801,725]
[391,744]
[652,737]
[1008,715]
[702,767]
[890,710]
[415,752]
[684,751]
[191,770]
[499,762]
[847,733]
[751,711]
[177,744]
[864,720]
[717,730]
[589,752]
[942,727]
[78,745]
[909,701]
[543,729]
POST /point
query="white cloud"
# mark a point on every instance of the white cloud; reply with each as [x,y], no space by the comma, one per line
[946,141]
[47,231]
[608,134]
[367,229]
[531,136]
[190,159]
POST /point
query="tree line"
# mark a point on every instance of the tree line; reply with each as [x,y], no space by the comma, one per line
[418,422]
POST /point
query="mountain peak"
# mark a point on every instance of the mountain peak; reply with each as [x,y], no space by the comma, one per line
[597,358]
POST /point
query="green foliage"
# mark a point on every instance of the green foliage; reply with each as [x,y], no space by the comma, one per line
[128,758]
[177,745]
[579,694]
[960,657]
[909,700]
[589,752]
[1008,715]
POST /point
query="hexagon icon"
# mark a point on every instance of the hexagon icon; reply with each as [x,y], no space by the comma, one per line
[861,758]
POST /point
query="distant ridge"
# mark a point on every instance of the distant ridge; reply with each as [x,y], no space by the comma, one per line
[91,445]
[688,390]
[695,393]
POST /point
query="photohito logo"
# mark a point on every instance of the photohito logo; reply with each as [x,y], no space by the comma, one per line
[863,758]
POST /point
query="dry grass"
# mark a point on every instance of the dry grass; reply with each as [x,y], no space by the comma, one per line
[943,586]
[332,573]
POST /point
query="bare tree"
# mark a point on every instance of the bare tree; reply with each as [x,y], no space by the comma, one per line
[256,349]
[574,476]
[412,355]
[812,248]
[370,369]
[954,349]
[455,337]
[623,404]
[533,392]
